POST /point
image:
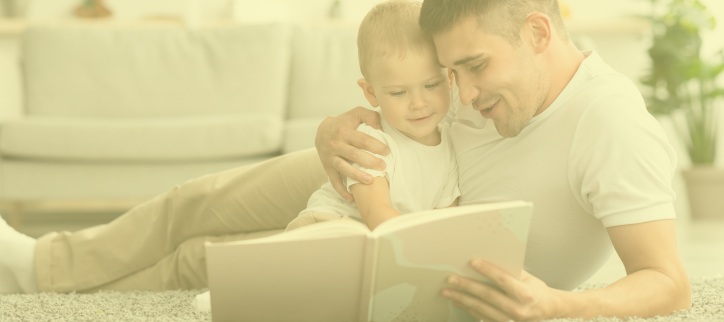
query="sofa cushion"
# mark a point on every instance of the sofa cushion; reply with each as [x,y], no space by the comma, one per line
[156,71]
[299,134]
[11,81]
[42,180]
[325,70]
[163,139]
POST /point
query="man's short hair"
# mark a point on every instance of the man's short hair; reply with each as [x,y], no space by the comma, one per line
[504,18]
[391,28]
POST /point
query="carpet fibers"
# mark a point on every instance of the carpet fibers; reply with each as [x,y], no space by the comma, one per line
[707,305]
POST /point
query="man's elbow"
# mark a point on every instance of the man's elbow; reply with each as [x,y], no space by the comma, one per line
[680,292]
[684,294]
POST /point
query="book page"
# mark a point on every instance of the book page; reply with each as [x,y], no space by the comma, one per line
[314,278]
[417,218]
[414,262]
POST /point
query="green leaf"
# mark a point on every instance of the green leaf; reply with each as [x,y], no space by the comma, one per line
[715,93]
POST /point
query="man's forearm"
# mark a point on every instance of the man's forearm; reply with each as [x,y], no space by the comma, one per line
[645,293]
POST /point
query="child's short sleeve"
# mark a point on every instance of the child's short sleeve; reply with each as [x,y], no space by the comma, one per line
[389,159]
[451,190]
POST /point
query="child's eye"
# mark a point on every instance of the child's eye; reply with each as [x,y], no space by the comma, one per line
[432,85]
[397,93]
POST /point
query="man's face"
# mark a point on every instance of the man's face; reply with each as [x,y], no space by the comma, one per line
[503,81]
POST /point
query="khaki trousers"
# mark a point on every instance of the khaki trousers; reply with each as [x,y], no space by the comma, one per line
[159,245]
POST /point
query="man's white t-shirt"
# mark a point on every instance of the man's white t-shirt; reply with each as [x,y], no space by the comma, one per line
[420,177]
[594,159]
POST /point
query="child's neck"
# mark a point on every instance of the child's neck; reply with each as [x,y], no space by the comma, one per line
[432,139]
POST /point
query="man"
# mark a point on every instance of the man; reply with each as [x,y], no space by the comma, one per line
[558,127]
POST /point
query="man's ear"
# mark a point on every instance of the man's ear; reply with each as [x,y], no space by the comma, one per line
[451,76]
[368,91]
[539,31]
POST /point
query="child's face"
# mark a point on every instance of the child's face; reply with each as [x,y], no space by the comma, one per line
[413,93]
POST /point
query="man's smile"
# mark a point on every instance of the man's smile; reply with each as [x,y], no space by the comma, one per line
[487,111]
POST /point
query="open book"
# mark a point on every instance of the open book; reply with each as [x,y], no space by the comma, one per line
[340,271]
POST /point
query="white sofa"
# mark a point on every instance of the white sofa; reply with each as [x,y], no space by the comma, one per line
[124,113]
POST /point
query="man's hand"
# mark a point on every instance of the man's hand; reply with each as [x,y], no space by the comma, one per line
[656,284]
[527,299]
[338,141]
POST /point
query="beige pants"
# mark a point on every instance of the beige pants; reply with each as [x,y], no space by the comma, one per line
[159,245]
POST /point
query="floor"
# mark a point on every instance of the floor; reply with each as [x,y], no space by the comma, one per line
[701,243]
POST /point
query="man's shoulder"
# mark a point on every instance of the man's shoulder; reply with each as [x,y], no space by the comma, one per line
[603,82]
[614,111]
[607,96]
[607,104]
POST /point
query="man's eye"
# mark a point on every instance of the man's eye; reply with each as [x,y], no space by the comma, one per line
[432,85]
[476,67]
[397,93]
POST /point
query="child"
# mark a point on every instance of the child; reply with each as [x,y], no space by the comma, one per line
[403,78]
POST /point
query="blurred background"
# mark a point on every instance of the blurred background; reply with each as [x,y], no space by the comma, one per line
[105,104]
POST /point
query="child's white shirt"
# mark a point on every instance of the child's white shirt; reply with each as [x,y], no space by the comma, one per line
[420,177]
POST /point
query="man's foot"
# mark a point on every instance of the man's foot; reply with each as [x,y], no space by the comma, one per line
[18,260]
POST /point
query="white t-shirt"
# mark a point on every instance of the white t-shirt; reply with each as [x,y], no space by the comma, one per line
[594,159]
[421,177]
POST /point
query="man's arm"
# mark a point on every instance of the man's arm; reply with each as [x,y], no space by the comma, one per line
[338,142]
[374,202]
[656,284]
[656,281]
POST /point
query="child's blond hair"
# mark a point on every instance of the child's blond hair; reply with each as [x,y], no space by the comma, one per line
[391,28]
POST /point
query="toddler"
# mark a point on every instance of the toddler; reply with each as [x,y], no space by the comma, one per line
[405,83]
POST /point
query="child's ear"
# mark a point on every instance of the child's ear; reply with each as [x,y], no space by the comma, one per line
[368,91]
[451,76]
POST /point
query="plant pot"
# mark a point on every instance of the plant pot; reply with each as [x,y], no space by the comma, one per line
[705,186]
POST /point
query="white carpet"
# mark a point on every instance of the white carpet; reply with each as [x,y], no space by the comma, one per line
[707,305]
[102,306]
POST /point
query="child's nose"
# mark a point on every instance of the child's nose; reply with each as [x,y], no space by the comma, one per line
[418,102]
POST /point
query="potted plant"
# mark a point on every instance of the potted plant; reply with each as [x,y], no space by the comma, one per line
[92,9]
[684,87]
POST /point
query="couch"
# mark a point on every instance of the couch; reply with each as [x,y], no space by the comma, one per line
[108,113]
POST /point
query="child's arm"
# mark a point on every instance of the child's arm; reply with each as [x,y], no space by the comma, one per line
[373,202]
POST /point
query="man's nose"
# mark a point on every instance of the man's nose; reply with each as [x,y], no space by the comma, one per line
[468,92]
